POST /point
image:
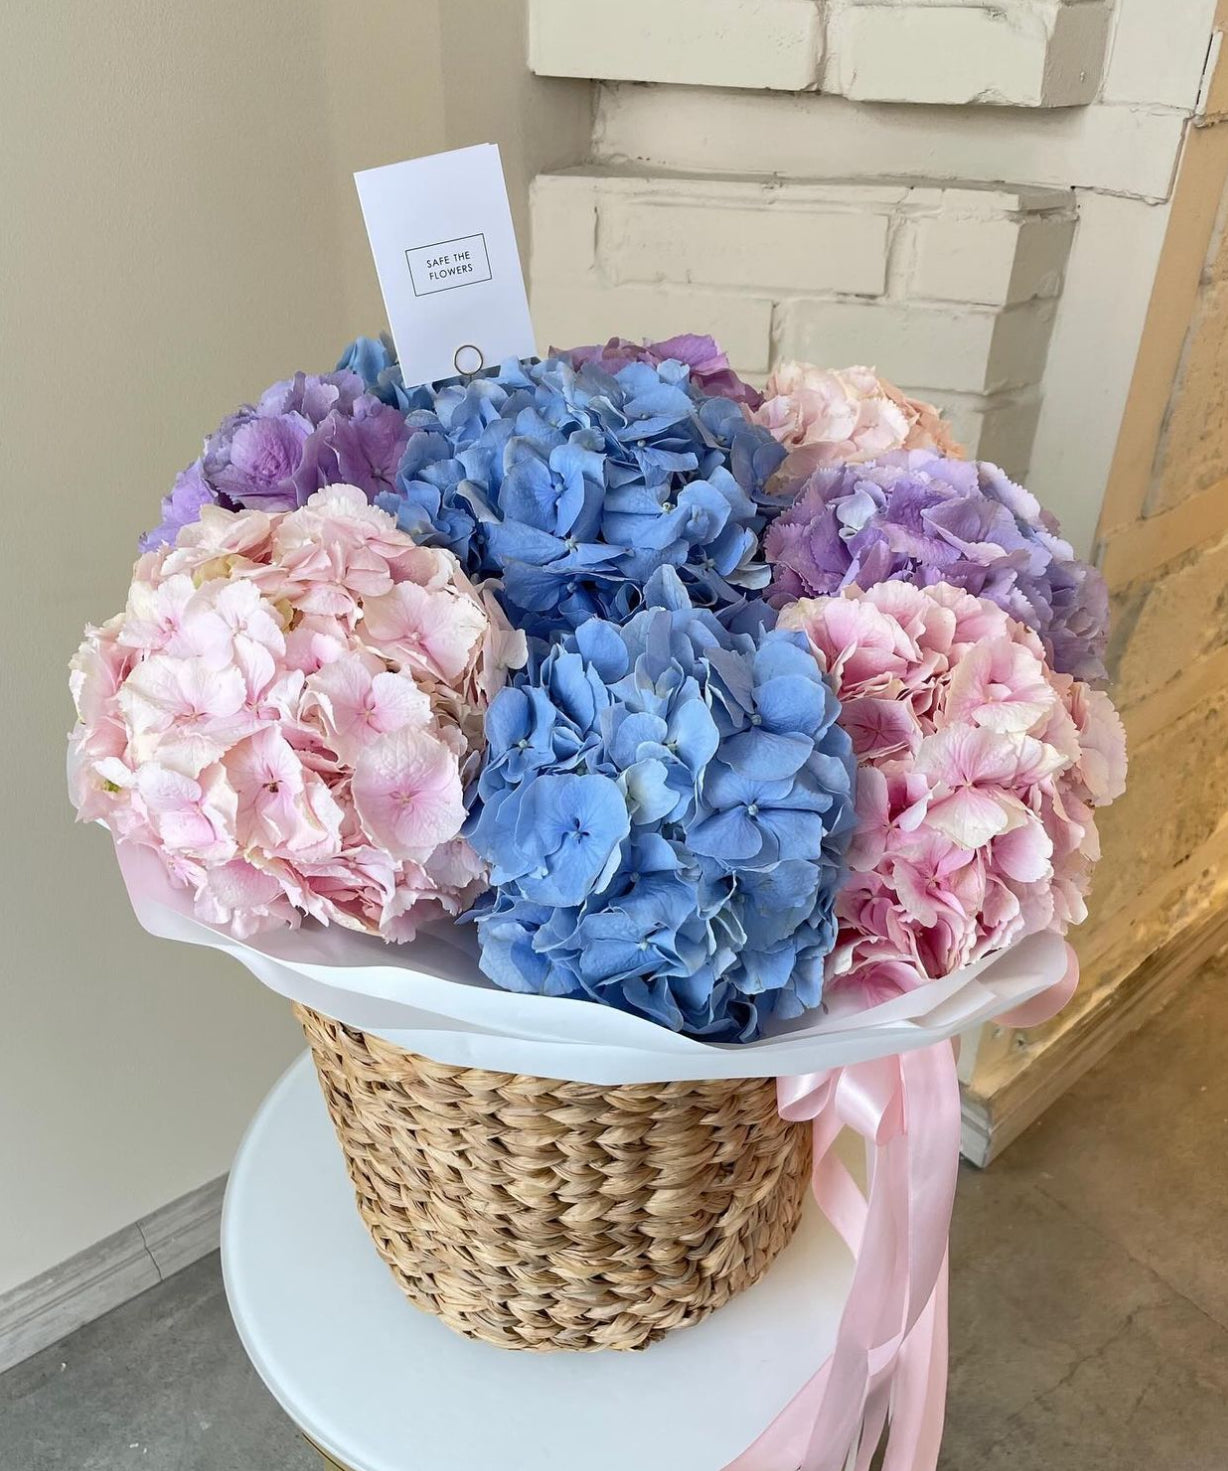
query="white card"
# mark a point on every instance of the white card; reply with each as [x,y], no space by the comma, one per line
[445,250]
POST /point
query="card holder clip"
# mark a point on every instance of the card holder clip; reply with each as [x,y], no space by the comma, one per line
[474,360]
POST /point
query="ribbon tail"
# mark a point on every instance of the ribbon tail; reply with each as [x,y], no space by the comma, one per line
[877,1410]
[889,1364]
[919,1392]
[887,1369]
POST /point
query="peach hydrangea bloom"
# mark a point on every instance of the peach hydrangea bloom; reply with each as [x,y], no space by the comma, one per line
[979,772]
[287,712]
[834,416]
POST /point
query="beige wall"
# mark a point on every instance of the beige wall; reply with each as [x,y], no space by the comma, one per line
[178,228]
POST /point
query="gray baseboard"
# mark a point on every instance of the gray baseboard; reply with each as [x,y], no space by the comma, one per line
[989,1124]
[66,1297]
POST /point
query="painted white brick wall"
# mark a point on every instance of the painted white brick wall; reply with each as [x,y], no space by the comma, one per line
[1169,73]
[1018,53]
[1125,149]
[1029,53]
[948,291]
[968,349]
[998,262]
[785,249]
[776,44]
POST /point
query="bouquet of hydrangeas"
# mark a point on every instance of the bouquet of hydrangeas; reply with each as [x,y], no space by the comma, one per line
[742,734]
[695,700]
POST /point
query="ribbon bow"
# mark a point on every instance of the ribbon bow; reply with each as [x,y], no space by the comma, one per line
[888,1370]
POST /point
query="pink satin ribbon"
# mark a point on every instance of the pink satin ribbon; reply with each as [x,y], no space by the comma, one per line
[888,1370]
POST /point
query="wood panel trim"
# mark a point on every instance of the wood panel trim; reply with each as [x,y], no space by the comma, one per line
[1163,708]
[1201,175]
[1145,545]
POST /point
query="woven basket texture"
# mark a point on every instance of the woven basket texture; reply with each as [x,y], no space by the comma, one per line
[538,1214]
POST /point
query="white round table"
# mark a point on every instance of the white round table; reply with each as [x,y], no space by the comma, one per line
[380,1386]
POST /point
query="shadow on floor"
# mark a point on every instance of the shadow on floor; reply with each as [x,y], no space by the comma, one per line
[1089,1321]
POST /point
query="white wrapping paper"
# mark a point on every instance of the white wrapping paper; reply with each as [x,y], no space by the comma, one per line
[429,997]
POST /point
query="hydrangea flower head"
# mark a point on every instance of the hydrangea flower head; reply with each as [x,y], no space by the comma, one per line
[923,518]
[374,359]
[665,807]
[304,433]
[574,486]
[287,712]
[844,416]
[979,772]
[710,372]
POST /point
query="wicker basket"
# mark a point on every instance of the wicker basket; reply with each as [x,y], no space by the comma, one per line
[538,1214]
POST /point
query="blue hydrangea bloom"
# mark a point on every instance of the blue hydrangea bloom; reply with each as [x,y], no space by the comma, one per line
[665,807]
[374,359]
[573,486]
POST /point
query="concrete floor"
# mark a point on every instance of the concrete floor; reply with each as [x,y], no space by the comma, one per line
[1089,1320]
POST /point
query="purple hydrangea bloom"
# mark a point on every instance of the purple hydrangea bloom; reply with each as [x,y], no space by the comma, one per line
[710,370]
[304,433]
[923,518]
[182,507]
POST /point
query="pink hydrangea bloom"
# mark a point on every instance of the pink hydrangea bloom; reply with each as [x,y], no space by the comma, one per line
[980,770]
[287,712]
[835,416]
